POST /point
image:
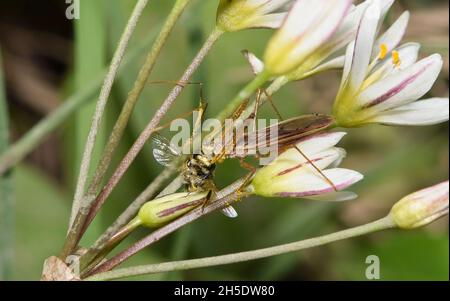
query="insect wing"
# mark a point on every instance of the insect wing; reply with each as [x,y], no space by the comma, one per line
[289,131]
[163,151]
[230,212]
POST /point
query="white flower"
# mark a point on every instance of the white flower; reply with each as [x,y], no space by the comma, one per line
[308,26]
[235,15]
[290,174]
[422,207]
[324,58]
[381,81]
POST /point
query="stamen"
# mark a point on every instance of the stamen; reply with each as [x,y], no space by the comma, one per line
[396,58]
[383,51]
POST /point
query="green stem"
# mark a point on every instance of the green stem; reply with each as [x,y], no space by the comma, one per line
[6,201]
[225,197]
[101,104]
[131,211]
[381,224]
[91,259]
[244,94]
[125,114]
[79,201]
[134,94]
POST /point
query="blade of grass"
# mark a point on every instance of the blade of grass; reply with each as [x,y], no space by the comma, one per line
[6,201]
[20,149]
[134,94]
[81,217]
[90,59]
[100,107]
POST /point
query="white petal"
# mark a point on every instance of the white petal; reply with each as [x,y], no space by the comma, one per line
[336,63]
[309,24]
[339,196]
[348,64]
[272,5]
[392,37]
[318,143]
[402,87]
[423,112]
[346,32]
[364,45]
[301,17]
[324,27]
[320,160]
[408,54]
[385,6]
[308,184]
[267,21]
[256,64]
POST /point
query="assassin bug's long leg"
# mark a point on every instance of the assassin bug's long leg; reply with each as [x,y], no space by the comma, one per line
[197,170]
[200,109]
[269,98]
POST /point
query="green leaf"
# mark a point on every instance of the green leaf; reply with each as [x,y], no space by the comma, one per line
[90,59]
[41,214]
[407,256]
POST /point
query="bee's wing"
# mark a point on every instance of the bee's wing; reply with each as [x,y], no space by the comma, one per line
[163,151]
[289,132]
[230,212]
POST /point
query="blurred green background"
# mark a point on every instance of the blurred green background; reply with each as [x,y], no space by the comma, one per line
[47,57]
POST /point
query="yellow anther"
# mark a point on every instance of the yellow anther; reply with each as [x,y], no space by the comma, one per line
[396,58]
[383,51]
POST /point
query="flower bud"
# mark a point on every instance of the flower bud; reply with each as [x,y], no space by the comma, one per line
[160,211]
[422,207]
[306,29]
[235,15]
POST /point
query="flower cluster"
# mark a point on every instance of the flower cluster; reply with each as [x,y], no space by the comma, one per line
[382,80]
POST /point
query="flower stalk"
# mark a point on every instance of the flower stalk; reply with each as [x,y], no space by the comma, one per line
[150,129]
[101,104]
[379,225]
[133,96]
[225,197]
[80,214]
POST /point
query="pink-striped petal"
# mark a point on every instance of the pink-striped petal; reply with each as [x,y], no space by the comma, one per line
[424,112]
[309,184]
[402,87]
